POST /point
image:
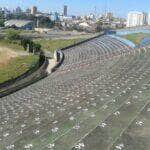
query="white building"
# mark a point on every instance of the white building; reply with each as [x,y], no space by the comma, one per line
[109,15]
[149,19]
[34,10]
[137,19]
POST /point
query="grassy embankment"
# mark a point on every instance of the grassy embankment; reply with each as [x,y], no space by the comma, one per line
[15,45]
[136,37]
[15,66]
[52,45]
[14,61]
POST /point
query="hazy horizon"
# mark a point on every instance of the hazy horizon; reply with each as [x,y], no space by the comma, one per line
[120,8]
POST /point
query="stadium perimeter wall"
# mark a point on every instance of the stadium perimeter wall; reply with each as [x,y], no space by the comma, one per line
[24,80]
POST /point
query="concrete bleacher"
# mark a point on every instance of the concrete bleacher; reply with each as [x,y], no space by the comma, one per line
[56,112]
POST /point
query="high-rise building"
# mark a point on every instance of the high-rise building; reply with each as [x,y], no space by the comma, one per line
[137,19]
[65,13]
[33,10]
[18,10]
[145,18]
[148,19]
[109,15]
[28,11]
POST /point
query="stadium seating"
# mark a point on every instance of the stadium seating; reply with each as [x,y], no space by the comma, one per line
[67,109]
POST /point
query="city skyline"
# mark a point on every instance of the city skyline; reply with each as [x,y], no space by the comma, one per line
[78,7]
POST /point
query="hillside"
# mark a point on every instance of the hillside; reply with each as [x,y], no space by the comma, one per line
[14,64]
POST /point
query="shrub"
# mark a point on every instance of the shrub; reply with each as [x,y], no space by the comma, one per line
[25,43]
[12,34]
[36,47]
[1,22]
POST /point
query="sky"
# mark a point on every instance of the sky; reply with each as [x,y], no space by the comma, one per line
[120,8]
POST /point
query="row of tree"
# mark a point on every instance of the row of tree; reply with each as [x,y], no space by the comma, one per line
[30,46]
[27,44]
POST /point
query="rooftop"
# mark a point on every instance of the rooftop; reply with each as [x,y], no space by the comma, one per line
[17,23]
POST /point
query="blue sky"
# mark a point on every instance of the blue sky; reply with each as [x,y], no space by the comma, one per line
[81,7]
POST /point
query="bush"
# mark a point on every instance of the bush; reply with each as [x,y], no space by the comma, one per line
[33,47]
[1,23]
[36,47]
[12,34]
[25,43]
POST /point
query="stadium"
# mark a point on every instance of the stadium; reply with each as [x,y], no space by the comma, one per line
[97,99]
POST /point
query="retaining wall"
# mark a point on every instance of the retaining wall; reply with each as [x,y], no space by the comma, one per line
[61,54]
[24,80]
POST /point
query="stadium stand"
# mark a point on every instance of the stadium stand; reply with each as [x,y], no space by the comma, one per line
[82,104]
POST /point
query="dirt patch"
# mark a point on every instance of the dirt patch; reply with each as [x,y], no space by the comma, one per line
[6,55]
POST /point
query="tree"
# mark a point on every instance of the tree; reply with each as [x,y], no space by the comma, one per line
[36,47]
[12,34]
[99,26]
[25,43]
[33,47]
[1,23]
[41,58]
[45,22]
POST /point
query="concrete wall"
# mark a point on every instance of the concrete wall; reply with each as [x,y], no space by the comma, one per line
[24,80]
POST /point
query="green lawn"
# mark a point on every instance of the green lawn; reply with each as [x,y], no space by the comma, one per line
[136,37]
[52,45]
[15,45]
[47,44]
[17,66]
